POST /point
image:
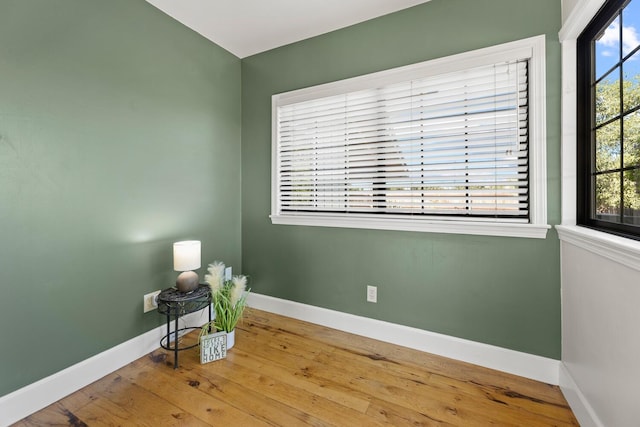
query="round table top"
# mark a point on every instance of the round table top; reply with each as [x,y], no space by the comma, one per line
[173,295]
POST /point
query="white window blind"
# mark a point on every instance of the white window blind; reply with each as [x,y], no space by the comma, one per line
[449,145]
[454,144]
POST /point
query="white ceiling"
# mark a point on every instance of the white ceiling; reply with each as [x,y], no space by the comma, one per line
[246,27]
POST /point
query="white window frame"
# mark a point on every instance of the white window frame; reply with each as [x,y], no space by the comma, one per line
[533,48]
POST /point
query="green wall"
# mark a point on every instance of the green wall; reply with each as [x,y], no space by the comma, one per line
[501,291]
[119,134]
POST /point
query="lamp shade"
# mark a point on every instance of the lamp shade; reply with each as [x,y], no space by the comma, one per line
[186,255]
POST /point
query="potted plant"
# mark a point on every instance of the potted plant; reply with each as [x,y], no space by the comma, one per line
[229,299]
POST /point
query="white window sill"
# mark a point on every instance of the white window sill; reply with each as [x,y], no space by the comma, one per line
[484,228]
[622,250]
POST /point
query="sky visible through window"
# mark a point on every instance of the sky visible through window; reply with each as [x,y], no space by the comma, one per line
[608,45]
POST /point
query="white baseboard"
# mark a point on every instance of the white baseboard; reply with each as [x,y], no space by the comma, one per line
[505,360]
[29,399]
[579,404]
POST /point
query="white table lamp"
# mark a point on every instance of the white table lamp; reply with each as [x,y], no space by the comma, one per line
[186,257]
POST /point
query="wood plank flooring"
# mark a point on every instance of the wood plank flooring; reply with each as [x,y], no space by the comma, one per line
[285,372]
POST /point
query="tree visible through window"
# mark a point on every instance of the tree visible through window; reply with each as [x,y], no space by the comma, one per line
[609,119]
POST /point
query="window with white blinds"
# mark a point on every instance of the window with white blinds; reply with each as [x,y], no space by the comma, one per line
[448,143]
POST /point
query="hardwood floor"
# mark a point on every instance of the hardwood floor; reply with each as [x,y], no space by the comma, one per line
[287,372]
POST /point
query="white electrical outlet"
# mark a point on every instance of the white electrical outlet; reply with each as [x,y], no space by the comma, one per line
[150,302]
[372,293]
[227,273]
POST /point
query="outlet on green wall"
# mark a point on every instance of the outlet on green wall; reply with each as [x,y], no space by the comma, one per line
[119,134]
[501,291]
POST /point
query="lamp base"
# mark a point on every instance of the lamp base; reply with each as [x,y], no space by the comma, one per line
[187,281]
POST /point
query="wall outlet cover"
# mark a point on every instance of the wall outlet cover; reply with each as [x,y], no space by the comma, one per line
[372,293]
[150,302]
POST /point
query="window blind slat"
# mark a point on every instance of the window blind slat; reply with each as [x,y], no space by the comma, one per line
[445,86]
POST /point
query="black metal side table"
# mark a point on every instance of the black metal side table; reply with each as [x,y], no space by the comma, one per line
[175,304]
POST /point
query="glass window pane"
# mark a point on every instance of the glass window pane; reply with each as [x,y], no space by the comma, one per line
[631,86]
[607,200]
[632,196]
[630,27]
[608,147]
[608,48]
[608,97]
[632,139]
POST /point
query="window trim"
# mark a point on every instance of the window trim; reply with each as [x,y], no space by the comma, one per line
[537,228]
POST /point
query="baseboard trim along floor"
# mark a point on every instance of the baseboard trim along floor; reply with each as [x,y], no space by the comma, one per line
[513,362]
[582,409]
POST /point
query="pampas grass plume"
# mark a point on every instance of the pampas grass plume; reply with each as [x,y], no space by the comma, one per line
[215,277]
[238,288]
